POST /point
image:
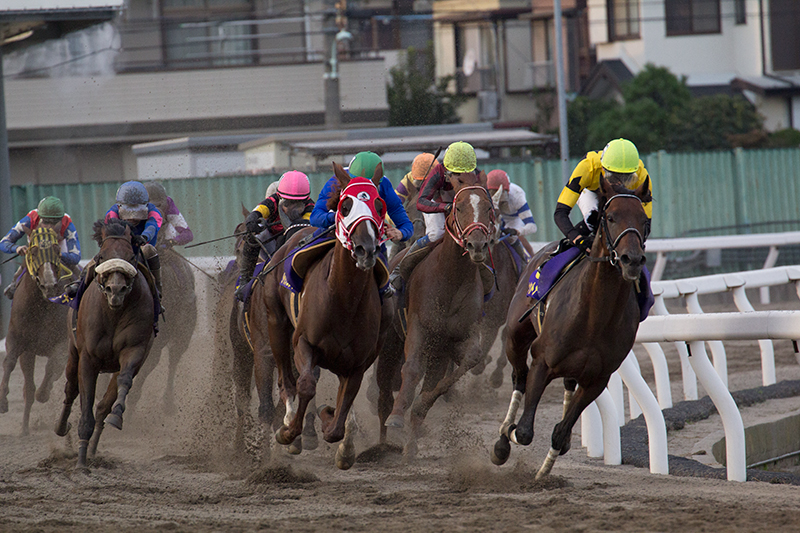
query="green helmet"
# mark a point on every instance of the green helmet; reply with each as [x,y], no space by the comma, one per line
[50,207]
[364,164]
[460,157]
[620,155]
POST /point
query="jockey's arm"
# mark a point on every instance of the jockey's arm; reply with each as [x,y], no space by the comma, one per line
[404,187]
[8,244]
[521,218]
[434,182]
[181,233]
[395,209]
[321,216]
[71,246]
[153,224]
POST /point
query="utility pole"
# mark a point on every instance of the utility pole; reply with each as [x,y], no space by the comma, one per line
[6,270]
[561,92]
[333,110]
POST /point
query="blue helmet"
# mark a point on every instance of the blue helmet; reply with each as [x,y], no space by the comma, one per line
[132,199]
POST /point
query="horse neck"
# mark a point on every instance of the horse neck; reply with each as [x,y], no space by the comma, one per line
[454,258]
[606,283]
[344,277]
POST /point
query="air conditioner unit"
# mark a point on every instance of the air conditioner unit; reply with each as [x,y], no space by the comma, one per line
[487,105]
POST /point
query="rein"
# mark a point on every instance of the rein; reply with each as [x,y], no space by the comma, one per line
[463,233]
[612,256]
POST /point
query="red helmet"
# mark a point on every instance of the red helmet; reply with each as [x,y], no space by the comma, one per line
[294,185]
[498,178]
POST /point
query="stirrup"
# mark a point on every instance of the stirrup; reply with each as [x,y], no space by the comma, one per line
[10,290]
[71,290]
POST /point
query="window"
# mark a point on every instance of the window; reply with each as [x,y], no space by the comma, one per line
[623,19]
[740,15]
[687,17]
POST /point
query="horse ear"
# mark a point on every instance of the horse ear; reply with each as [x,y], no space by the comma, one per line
[245,212]
[605,187]
[483,180]
[341,174]
[377,176]
[643,192]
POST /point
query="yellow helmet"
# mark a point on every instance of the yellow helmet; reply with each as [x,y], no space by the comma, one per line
[620,155]
[460,157]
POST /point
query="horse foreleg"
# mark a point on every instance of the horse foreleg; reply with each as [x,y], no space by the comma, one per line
[333,423]
[178,347]
[70,391]
[411,373]
[27,362]
[538,379]
[346,453]
[242,366]
[51,372]
[386,368]
[9,363]
[562,433]
[130,361]
[306,388]
[87,376]
[103,408]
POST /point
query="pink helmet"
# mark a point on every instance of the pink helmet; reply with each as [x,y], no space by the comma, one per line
[497,178]
[294,185]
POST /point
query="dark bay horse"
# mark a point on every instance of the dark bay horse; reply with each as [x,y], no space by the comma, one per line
[445,295]
[341,322]
[37,326]
[175,334]
[589,324]
[114,334]
[243,365]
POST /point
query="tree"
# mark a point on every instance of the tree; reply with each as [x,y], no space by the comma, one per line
[660,114]
[416,97]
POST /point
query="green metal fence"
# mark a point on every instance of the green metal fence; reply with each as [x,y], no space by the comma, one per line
[691,191]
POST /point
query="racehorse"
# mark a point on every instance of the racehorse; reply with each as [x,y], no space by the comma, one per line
[37,326]
[243,363]
[114,334]
[175,334]
[445,303]
[586,328]
[341,321]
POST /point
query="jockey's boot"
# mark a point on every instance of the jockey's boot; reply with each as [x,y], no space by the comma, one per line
[519,248]
[154,264]
[249,259]
[418,251]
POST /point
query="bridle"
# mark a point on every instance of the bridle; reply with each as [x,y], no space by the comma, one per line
[133,261]
[361,212]
[613,256]
[44,240]
[459,233]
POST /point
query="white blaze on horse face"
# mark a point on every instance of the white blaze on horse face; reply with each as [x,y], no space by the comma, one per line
[360,209]
[48,277]
[475,200]
[371,231]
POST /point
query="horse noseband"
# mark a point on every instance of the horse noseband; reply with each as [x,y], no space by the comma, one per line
[462,233]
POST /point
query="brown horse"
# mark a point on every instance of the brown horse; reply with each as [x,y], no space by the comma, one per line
[243,363]
[341,321]
[37,326]
[445,295]
[589,324]
[175,334]
[114,334]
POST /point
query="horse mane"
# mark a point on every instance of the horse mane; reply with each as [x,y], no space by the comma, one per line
[333,199]
[114,226]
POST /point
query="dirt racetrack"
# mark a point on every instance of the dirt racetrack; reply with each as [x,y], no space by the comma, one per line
[177,472]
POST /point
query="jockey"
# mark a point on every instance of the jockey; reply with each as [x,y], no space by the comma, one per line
[363,165]
[459,158]
[49,213]
[620,164]
[133,206]
[420,168]
[289,206]
[174,228]
[515,217]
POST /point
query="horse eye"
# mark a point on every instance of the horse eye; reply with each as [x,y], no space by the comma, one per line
[610,218]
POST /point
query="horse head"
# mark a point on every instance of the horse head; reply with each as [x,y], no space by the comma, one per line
[471,223]
[115,270]
[622,225]
[43,261]
[360,215]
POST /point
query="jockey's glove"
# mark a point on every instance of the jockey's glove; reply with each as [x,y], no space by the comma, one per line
[448,209]
[510,231]
[584,242]
[139,240]
[253,226]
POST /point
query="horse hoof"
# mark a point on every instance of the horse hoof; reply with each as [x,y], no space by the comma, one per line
[114,420]
[61,431]
[410,451]
[310,442]
[3,405]
[501,451]
[280,438]
[394,421]
[42,395]
[345,460]
[296,447]
[82,469]
[496,380]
